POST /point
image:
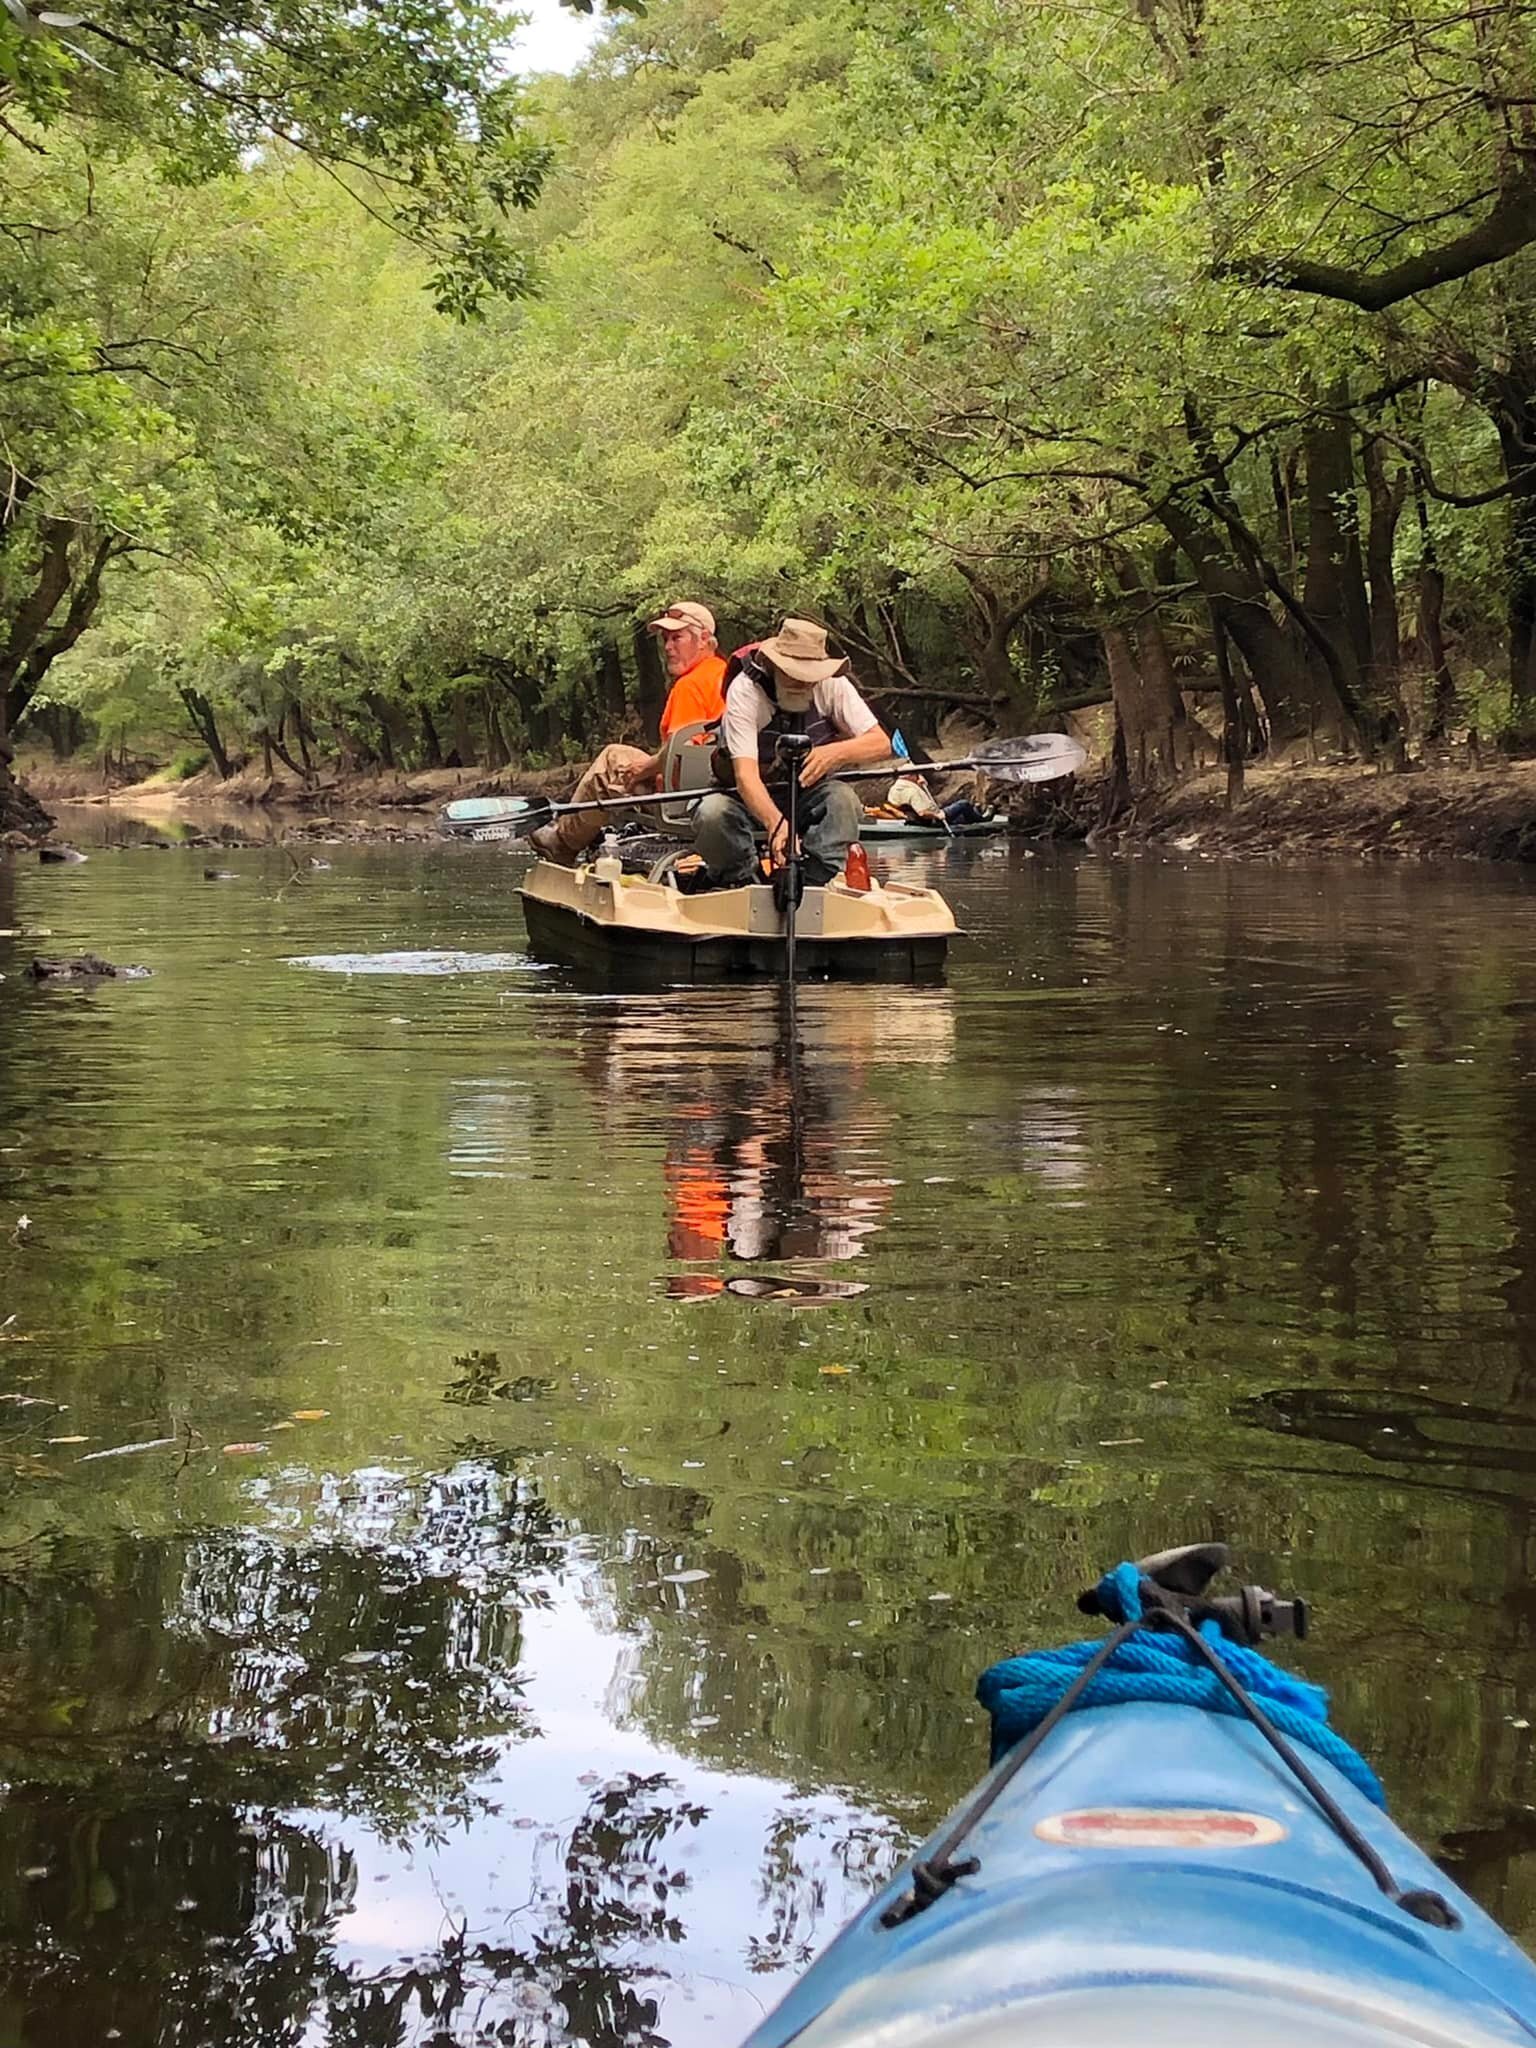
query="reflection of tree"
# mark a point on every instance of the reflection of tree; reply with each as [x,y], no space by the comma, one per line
[175,1923]
[794,1897]
[571,1962]
[159,1706]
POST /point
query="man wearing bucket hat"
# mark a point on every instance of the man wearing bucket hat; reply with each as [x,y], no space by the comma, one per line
[787,684]
[687,633]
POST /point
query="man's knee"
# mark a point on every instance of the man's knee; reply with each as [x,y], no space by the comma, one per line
[722,833]
[844,813]
[839,814]
[716,811]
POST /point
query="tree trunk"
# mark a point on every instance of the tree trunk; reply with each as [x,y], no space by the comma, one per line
[610,671]
[1164,736]
[301,734]
[1429,630]
[379,712]
[206,726]
[1239,602]
[19,809]
[84,602]
[431,745]
[652,693]
[1234,738]
[1517,437]
[1133,718]
[1333,587]
[1116,800]
[1386,497]
[29,618]
[1311,689]
[272,743]
[62,726]
[497,752]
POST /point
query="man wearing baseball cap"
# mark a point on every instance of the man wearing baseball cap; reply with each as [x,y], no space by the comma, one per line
[687,632]
[789,683]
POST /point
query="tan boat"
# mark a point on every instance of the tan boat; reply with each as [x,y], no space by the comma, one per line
[642,927]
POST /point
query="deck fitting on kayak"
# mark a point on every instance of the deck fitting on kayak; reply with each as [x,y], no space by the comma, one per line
[1166,1595]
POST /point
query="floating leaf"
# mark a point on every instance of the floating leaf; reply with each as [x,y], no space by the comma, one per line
[310,1414]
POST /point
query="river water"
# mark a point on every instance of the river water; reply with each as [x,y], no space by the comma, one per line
[559,1500]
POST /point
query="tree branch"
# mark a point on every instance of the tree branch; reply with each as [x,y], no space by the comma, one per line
[1508,227]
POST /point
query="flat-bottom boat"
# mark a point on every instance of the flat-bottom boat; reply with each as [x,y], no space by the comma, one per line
[634,927]
[1162,1859]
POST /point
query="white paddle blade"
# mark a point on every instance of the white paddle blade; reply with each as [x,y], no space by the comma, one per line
[1039,757]
[493,817]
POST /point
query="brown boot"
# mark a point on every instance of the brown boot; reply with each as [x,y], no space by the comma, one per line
[548,845]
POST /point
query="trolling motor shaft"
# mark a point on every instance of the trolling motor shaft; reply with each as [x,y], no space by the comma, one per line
[1174,1582]
[789,881]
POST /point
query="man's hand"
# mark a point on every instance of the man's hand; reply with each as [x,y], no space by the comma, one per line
[821,762]
[645,775]
[778,844]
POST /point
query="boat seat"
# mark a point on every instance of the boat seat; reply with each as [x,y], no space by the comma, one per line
[687,767]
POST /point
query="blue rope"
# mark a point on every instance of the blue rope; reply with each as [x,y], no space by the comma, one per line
[1160,1667]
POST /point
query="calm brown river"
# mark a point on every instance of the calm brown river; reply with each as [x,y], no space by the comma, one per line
[502,1505]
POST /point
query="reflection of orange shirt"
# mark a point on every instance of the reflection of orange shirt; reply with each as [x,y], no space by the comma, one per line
[700,1204]
[695,695]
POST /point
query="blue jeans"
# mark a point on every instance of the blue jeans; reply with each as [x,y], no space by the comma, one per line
[725,833]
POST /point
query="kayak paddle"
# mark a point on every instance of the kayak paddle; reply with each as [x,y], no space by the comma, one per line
[1037,757]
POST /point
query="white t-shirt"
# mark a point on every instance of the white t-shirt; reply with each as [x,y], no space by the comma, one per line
[748,708]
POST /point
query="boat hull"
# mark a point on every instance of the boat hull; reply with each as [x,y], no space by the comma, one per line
[632,930]
[1155,1874]
[880,830]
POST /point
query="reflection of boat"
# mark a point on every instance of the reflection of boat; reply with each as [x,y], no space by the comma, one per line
[769,1163]
[629,925]
[876,827]
[1157,1872]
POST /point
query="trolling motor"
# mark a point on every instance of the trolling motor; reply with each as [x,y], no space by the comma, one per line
[789,880]
[1174,1582]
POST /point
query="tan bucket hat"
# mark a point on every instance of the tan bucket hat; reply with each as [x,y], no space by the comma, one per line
[799,651]
[687,613]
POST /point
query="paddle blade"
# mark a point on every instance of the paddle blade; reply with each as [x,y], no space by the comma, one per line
[1038,757]
[494,817]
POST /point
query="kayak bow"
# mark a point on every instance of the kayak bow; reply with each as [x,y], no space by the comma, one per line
[1169,1869]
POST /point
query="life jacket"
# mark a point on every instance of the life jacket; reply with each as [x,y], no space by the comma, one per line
[816,726]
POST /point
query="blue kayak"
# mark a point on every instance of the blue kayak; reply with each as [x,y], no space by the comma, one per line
[1160,1873]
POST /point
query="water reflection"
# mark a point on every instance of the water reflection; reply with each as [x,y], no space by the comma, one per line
[235,1758]
[778,1149]
[1192,1206]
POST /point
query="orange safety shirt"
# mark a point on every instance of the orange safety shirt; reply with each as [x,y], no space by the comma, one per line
[696,695]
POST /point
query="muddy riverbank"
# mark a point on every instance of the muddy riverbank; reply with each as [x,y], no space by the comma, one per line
[1483,812]
[1427,814]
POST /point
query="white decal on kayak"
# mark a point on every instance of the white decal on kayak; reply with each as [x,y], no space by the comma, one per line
[1159,1827]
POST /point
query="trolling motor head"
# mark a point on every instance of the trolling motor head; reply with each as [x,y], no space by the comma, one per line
[792,749]
[1174,1582]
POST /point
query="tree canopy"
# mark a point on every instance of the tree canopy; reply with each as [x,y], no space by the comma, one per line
[1172,355]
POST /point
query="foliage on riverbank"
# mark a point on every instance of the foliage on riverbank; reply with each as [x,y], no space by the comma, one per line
[1172,357]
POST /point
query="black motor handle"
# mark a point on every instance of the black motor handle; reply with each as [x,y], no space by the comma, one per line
[1174,1582]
